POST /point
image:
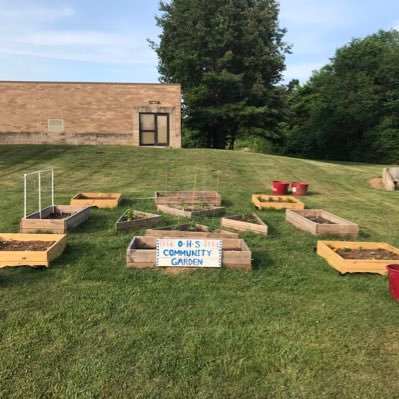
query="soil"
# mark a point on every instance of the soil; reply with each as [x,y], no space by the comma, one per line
[15,245]
[96,198]
[368,254]
[249,218]
[58,215]
[319,220]
[376,183]
[278,200]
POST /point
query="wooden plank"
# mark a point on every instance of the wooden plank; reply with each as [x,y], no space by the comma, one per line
[354,265]
[99,200]
[141,253]
[265,204]
[191,197]
[340,226]
[174,210]
[33,223]
[32,258]
[145,220]
[193,234]
[233,222]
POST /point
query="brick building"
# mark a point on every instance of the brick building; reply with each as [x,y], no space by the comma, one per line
[90,113]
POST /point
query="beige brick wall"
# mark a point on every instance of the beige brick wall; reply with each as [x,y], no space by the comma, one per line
[93,113]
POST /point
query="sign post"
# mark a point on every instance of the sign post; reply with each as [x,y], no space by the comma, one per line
[181,252]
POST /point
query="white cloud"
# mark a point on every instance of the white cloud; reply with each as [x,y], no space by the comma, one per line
[69,38]
[36,31]
[34,12]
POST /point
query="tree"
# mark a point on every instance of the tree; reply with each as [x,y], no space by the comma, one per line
[228,55]
[349,110]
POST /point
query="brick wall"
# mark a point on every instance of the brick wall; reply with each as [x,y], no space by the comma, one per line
[93,113]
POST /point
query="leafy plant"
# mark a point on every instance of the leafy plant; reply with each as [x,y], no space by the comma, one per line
[131,214]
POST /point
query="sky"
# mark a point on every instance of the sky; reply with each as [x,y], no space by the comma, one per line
[106,40]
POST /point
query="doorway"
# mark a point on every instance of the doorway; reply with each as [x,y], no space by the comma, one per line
[154,129]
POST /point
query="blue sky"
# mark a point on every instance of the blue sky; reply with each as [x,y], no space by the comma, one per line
[104,40]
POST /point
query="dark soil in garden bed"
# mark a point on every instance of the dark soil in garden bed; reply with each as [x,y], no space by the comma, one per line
[95,198]
[15,245]
[319,220]
[367,254]
[58,215]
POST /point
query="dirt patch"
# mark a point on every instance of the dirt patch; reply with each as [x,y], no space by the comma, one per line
[367,254]
[377,183]
[96,198]
[58,215]
[15,245]
[319,220]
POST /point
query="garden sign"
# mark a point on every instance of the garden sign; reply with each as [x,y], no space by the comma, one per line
[189,253]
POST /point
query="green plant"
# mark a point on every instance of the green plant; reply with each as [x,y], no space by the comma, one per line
[131,214]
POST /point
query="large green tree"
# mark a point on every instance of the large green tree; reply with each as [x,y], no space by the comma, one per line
[228,55]
[349,110]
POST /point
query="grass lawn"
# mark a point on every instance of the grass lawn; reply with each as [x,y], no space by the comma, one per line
[292,328]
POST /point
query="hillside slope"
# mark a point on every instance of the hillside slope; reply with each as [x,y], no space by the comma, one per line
[293,327]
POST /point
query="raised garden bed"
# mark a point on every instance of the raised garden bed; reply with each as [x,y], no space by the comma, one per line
[187,230]
[99,200]
[358,257]
[57,219]
[133,219]
[245,222]
[318,222]
[264,201]
[30,249]
[141,254]
[192,211]
[189,197]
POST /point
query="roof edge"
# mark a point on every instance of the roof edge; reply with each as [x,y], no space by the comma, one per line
[88,83]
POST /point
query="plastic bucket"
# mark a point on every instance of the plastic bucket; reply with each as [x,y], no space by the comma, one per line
[393,277]
[299,188]
[280,187]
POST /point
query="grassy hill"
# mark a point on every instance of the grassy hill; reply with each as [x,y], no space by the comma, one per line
[292,328]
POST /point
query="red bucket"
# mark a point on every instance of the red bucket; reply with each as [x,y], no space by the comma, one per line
[299,188]
[393,277]
[280,187]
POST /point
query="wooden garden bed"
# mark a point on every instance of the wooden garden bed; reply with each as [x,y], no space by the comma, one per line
[30,249]
[246,222]
[177,210]
[57,219]
[264,201]
[189,197]
[358,257]
[318,222]
[99,200]
[186,230]
[141,254]
[142,219]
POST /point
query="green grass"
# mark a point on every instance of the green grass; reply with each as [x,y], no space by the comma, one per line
[292,328]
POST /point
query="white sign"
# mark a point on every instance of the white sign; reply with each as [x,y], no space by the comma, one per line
[181,252]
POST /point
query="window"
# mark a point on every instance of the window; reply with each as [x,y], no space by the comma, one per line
[154,129]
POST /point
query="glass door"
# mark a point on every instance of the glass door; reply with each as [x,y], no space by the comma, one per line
[154,129]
